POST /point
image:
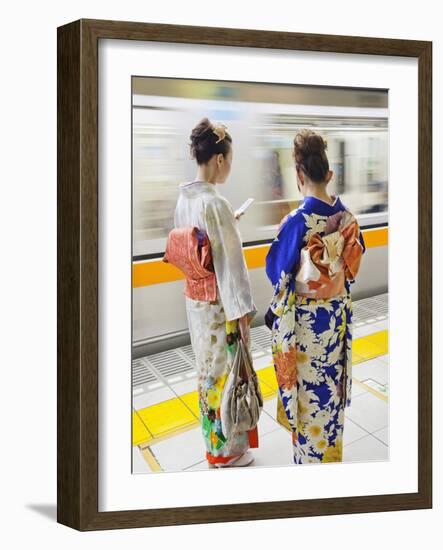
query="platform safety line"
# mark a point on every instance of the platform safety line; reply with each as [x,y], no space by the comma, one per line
[150,458]
[140,432]
[166,433]
[370,346]
[370,390]
[156,272]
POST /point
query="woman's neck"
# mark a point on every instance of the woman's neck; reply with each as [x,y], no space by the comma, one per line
[202,175]
[319,192]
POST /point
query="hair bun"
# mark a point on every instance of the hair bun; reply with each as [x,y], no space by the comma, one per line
[315,144]
[208,139]
[310,154]
[200,132]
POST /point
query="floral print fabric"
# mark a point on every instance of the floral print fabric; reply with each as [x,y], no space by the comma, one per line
[214,341]
[311,336]
[213,325]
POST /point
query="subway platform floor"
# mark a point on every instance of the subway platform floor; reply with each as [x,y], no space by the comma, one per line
[166,430]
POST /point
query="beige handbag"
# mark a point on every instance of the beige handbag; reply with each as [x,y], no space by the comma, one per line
[241,401]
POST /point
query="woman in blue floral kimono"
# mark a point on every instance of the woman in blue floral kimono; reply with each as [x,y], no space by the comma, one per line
[311,263]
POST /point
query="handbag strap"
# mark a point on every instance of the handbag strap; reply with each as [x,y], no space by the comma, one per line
[247,370]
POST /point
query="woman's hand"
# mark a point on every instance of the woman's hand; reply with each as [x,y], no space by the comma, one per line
[244,327]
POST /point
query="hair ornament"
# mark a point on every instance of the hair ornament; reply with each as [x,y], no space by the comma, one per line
[219,130]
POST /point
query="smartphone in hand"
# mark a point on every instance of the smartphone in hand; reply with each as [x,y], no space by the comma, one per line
[240,211]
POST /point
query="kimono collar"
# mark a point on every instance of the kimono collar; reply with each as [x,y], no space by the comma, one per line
[196,187]
[197,183]
[319,206]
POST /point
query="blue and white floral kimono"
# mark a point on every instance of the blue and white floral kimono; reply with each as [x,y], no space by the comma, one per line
[311,263]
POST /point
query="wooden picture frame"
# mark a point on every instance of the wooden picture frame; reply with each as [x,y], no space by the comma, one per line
[77,277]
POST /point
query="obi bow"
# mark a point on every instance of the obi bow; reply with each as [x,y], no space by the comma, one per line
[189,250]
[338,251]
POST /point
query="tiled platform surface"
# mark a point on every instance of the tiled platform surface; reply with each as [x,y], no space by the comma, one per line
[166,430]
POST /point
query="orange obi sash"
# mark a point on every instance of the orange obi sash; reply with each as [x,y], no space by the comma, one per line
[326,261]
[189,250]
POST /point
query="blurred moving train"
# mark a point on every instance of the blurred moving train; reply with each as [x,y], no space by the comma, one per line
[262,120]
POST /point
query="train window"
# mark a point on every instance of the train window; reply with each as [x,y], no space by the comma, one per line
[263,165]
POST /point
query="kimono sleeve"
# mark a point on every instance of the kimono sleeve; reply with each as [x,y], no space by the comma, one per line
[284,254]
[227,256]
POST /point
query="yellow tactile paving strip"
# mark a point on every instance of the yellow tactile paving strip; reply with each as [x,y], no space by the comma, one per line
[370,390]
[150,459]
[176,415]
[140,433]
[157,272]
[370,346]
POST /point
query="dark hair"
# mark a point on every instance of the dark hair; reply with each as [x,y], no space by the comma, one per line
[310,155]
[203,142]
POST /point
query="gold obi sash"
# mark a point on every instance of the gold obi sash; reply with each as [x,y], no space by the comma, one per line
[327,260]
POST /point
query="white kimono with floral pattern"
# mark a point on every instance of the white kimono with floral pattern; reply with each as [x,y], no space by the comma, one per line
[213,326]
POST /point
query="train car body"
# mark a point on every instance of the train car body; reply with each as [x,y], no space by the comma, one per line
[263,168]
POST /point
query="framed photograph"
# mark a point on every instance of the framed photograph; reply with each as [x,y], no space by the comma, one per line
[244,274]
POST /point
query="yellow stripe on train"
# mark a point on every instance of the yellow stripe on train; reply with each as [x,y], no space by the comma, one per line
[156,272]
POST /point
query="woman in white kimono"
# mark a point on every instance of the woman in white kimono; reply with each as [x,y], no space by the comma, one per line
[216,326]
